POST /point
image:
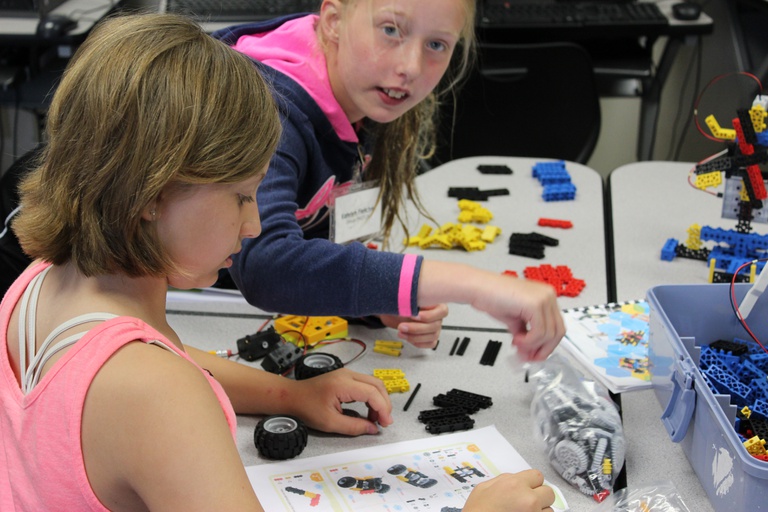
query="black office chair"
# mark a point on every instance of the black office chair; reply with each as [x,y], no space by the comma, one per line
[533,100]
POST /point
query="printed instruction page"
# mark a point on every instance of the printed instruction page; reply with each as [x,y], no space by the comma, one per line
[432,474]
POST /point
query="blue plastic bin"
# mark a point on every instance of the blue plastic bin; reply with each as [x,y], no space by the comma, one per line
[682,318]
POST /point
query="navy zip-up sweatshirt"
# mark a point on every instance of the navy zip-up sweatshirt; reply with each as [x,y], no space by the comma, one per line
[292,267]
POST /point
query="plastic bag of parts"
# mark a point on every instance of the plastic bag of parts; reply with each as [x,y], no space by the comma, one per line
[580,426]
[658,497]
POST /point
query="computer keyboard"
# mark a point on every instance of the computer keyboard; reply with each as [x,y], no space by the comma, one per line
[239,10]
[530,14]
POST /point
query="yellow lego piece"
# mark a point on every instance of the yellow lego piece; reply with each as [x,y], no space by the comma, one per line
[397,386]
[388,373]
[465,216]
[311,329]
[388,343]
[423,233]
[746,411]
[710,179]
[481,215]
[442,241]
[755,446]
[394,352]
[694,237]
[427,241]
[717,130]
[466,204]
[757,113]
[490,233]
[473,245]
[447,227]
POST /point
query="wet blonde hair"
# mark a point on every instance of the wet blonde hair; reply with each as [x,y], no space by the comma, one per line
[404,146]
[148,101]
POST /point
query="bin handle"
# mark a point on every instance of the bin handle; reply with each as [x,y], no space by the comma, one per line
[679,410]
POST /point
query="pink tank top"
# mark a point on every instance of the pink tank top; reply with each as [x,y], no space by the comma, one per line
[41,464]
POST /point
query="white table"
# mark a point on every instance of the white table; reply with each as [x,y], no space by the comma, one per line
[651,202]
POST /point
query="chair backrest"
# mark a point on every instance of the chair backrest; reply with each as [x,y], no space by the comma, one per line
[534,100]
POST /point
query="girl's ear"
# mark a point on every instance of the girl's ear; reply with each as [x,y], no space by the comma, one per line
[330,18]
[149,213]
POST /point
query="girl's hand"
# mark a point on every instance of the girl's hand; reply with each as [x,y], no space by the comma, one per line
[422,330]
[319,402]
[519,492]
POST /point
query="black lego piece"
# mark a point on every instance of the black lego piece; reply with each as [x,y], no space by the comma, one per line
[282,357]
[255,346]
[494,169]
[463,347]
[529,251]
[450,424]
[453,348]
[490,353]
[442,412]
[483,401]
[475,194]
[444,400]
[734,347]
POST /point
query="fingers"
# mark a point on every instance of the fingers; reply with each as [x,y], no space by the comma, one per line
[521,492]
[424,329]
[342,386]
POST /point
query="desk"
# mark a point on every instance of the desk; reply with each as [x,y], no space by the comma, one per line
[651,202]
[581,248]
[215,322]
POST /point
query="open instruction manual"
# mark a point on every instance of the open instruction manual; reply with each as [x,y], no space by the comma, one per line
[432,474]
[611,341]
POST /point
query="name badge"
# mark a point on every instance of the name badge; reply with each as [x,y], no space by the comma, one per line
[355,215]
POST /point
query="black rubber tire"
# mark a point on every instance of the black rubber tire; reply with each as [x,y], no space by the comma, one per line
[346,482]
[396,469]
[314,364]
[280,437]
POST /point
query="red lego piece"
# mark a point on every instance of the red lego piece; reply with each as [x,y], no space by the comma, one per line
[510,273]
[745,147]
[560,278]
[756,179]
[555,223]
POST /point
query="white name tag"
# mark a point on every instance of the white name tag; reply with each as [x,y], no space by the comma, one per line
[353,214]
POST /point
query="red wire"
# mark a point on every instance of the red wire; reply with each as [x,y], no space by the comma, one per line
[741,318]
[711,83]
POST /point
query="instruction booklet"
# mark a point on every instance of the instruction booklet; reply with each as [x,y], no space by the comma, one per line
[436,473]
[611,341]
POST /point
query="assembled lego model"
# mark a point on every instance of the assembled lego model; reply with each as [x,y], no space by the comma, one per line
[743,198]
[411,476]
[581,428]
[365,485]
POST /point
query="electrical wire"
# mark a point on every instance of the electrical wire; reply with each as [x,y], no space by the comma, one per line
[710,84]
[735,305]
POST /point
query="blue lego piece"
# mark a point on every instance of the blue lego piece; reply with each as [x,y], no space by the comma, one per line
[728,384]
[710,384]
[760,409]
[747,371]
[559,192]
[668,251]
[759,389]
[759,359]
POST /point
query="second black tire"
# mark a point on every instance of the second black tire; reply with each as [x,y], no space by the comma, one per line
[314,364]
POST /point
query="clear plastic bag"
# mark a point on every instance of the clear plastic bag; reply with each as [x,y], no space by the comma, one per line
[658,497]
[580,426]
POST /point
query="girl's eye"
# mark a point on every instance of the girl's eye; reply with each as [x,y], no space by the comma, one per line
[392,31]
[437,46]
